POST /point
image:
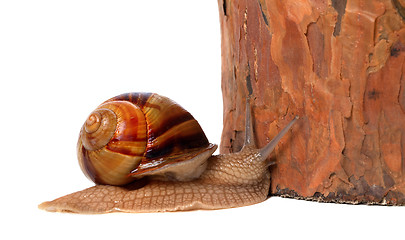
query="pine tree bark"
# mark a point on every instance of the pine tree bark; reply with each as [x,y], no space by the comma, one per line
[339,65]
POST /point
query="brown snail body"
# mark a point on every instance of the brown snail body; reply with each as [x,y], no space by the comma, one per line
[174,172]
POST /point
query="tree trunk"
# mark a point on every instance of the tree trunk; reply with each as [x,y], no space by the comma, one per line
[339,65]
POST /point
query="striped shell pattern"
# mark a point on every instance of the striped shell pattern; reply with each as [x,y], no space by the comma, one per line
[139,134]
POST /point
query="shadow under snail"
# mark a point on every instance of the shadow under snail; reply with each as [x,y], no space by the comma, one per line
[147,154]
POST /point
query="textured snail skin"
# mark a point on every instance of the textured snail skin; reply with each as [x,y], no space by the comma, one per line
[219,187]
[229,180]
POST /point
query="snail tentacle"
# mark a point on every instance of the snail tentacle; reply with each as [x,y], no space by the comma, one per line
[249,132]
[266,150]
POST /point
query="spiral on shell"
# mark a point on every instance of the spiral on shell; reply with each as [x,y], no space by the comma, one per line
[98,129]
[135,134]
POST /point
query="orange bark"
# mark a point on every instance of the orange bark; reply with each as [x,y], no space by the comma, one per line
[338,65]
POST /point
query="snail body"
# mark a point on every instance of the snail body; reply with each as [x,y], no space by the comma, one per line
[177,175]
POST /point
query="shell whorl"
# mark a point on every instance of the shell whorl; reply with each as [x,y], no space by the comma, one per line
[98,129]
[112,142]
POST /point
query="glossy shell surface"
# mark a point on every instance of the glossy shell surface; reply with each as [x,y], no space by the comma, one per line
[134,133]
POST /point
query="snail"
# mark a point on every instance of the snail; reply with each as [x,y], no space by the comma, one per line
[146,153]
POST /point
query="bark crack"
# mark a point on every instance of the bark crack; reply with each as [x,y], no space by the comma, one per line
[256,66]
[400,9]
[340,7]
[401,91]
[263,14]
[245,19]
[224,8]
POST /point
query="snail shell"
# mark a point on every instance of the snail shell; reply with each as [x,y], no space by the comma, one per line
[142,134]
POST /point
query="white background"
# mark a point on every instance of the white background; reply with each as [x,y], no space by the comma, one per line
[60,59]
